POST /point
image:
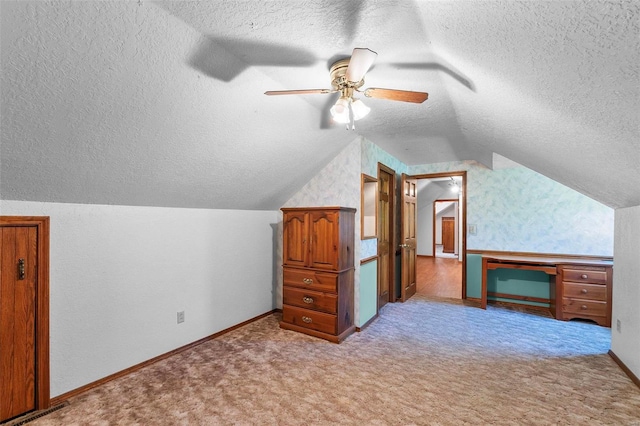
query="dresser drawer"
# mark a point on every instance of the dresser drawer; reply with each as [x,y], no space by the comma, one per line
[584,307]
[326,302]
[585,275]
[585,291]
[312,280]
[307,318]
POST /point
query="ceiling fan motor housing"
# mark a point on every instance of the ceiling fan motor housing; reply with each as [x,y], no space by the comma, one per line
[338,80]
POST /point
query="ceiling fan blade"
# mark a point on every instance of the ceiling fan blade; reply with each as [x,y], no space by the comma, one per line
[298,92]
[396,95]
[360,62]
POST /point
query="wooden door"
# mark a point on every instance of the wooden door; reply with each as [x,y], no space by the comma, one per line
[324,233]
[295,228]
[448,234]
[18,258]
[386,252]
[408,241]
[24,315]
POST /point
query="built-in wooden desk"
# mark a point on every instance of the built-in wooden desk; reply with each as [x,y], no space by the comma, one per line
[582,291]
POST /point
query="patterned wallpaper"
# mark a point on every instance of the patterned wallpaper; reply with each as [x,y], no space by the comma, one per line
[517,209]
[372,154]
[338,184]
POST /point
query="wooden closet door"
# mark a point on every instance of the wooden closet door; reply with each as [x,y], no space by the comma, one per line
[408,213]
[325,239]
[295,248]
[18,257]
[386,250]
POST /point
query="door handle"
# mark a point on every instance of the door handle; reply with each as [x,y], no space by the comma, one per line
[21,269]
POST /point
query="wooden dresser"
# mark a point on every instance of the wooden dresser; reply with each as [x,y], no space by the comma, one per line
[318,265]
[585,292]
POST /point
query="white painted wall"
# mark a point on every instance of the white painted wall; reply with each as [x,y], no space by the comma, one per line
[120,274]
[626,288]
[424,229]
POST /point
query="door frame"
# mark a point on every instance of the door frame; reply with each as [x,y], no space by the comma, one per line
[41,223]
[392,231]
[463,218]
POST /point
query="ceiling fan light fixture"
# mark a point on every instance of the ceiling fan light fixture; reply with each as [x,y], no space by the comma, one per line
[359,109]
[341,118]
[453,185]
[340,110]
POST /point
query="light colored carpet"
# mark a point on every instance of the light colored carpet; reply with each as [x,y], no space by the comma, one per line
[422,362]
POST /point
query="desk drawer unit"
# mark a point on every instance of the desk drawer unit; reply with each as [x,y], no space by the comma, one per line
[585,291]
[579,307]
[585,275]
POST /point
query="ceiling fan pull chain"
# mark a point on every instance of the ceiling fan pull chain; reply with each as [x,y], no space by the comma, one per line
[351,117]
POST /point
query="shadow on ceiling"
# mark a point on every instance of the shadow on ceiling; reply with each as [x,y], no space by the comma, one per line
[225,59]
[447,69]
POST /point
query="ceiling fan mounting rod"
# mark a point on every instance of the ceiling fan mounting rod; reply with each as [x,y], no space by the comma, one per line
[346,92]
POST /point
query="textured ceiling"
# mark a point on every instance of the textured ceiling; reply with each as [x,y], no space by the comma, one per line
[161,103]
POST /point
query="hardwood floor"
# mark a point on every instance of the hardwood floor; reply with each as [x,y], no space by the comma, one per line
[439,277]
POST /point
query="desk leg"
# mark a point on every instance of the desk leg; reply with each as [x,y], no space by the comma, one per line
[483,290]
[555,298]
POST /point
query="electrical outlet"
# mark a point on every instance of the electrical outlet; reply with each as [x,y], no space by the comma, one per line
[618,326]
[180,317]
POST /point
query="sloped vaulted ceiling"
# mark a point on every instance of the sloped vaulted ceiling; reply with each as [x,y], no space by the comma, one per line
[162,104]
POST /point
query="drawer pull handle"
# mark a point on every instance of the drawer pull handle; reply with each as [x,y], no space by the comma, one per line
[307,299]
[306,320]
[584,291]
[583,307]
[307,280]
[584,276]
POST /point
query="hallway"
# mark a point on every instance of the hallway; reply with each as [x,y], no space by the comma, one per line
[439,277]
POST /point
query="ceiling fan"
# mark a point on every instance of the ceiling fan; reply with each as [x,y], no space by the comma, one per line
[347,77]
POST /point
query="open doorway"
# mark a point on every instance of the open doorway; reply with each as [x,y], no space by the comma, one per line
[441,240]
[446,222]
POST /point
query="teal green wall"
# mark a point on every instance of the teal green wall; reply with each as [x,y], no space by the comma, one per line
[509,281]
[474,275]
[520,282]
[368,291]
